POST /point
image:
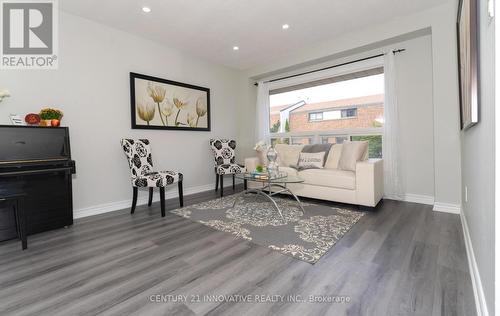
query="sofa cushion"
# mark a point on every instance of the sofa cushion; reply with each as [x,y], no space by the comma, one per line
[329,178]
[318,148]
[311,160]
[352,152]
[288,155]
[290,171]
[332,162]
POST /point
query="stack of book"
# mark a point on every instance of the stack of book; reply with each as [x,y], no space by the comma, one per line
[260,175]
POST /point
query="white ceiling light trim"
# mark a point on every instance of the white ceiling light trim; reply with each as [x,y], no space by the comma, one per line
[146,9]
[285,26]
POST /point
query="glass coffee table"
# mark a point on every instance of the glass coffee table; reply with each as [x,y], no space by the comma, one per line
[268,185]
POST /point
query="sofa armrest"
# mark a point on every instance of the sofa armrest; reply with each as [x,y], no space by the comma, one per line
[369,182]
[251,163]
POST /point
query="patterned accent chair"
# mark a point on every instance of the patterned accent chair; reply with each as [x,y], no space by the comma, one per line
[138,152]
[224,159]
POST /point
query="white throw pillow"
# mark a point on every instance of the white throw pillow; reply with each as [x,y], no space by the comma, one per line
[352,152]
[332,162]
[288,155]
[311,160]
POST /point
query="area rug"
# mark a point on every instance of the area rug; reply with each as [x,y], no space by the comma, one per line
[306,237]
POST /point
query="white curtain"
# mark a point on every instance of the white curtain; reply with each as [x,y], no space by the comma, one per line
[393,184]
[262,112]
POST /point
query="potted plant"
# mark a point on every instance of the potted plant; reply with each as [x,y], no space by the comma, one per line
[50,117]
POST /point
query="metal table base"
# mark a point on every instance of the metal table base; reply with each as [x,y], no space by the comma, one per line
[267,191]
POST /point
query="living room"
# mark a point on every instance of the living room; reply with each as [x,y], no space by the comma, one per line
[267,116]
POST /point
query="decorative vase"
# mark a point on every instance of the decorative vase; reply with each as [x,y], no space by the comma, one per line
[46,123]
[272,167]
[55,123]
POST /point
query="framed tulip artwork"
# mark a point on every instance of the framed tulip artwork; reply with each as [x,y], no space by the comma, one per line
[468,62]
[164,104]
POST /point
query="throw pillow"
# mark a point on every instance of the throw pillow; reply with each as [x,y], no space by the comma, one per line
[311,160]
[352,152]
[317,148]
[332,162]
[288,154]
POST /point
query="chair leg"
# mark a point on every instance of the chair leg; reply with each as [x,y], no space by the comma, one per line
[150,201]
[221,180]
[162,201]
[233,181]
[134,200]
[245,184]
[216,182]
[181,194]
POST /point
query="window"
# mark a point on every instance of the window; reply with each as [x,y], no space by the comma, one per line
[318,116]
[333,115]
[349,113]
[374,144]
[334,110]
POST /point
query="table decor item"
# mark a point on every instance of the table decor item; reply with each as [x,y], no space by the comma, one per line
[16,120]
[261,148]
[32,119]
[272,157]
[50,117]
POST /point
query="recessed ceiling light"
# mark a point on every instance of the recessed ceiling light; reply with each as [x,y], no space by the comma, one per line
[285,26]
[236,48]
[146,9]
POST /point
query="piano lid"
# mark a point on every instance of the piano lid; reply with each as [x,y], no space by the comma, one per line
[29,144]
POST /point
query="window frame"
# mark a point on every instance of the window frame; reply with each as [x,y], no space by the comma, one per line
[315,114]
[337,71]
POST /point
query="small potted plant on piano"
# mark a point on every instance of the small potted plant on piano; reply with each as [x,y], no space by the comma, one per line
[50,117]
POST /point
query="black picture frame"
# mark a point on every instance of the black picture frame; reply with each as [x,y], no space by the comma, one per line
[468,63]
[182,126]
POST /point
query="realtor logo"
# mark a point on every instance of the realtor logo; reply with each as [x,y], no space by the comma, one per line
[29,34]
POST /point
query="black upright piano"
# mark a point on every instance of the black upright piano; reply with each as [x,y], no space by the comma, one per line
[36,161]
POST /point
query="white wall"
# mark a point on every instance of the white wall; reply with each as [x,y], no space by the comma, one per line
[91,86]
[416,110]
[446,138]
[478,163]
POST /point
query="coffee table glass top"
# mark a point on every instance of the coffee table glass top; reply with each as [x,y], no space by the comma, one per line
[283,177]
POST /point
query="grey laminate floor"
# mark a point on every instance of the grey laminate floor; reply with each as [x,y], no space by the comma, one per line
[403,259]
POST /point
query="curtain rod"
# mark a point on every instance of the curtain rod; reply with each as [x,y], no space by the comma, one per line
[331,67]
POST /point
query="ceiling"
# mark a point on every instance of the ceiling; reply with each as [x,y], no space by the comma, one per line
[210,28]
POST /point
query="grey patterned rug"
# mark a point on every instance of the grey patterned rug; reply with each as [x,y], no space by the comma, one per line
[306,237]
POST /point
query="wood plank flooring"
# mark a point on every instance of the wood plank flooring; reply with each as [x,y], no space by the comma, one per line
[403,259]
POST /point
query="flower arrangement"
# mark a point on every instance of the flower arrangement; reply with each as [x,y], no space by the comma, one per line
[51,114]
[4,94]
[261,146]
[50,117]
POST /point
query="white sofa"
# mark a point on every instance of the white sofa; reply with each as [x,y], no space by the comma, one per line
[364,187]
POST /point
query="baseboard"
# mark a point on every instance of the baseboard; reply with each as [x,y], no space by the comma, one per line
[428,200]
[141,200]
[447,208]
[413,198]
[477,285]
[422,199]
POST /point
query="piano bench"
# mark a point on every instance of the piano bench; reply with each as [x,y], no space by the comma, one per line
[17,200]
